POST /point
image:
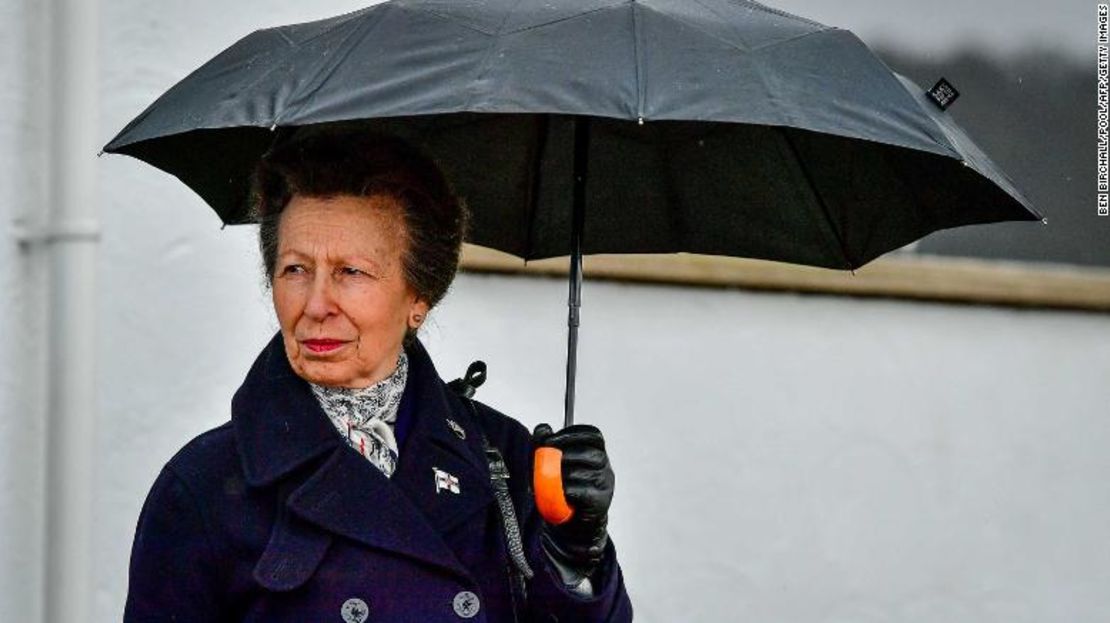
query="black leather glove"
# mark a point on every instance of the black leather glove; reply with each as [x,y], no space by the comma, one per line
[588,483]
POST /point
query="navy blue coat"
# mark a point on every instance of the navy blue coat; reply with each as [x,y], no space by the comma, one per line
[272,517]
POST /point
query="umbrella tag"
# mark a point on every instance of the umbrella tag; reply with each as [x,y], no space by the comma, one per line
[943,94]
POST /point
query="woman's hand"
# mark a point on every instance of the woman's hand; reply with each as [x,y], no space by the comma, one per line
[588,483]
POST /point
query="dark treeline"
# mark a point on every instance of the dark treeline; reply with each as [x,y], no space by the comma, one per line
[1034,115]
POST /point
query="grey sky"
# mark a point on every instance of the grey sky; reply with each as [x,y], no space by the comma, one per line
[932,26]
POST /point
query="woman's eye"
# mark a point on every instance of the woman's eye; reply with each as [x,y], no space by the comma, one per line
[292,269]
[351,270]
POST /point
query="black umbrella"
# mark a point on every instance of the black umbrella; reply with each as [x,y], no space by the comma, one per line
[719,127]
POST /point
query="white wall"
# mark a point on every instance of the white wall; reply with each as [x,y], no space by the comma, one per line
[779,457]
[23,166]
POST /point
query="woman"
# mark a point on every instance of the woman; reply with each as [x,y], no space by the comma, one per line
[351,483]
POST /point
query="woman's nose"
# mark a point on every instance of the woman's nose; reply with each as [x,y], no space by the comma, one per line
[321,298]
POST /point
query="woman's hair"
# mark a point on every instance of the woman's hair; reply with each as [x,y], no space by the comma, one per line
[321,162]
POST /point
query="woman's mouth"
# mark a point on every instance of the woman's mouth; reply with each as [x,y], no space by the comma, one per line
[323,345]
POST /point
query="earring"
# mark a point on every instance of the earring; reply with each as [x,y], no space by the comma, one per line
[417,319]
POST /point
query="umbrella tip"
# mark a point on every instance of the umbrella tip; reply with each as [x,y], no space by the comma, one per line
[640,121]
[1044,221]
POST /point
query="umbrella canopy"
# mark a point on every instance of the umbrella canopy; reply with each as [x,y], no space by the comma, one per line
[720,127]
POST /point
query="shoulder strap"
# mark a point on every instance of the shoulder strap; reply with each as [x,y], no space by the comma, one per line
[473,379]
[499,474]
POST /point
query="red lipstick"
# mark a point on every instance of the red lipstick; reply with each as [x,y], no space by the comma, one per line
[322,345]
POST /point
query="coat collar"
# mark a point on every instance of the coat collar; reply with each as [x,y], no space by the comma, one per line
[278,423]
[279,427]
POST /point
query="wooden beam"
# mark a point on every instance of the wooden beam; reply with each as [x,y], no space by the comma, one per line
[921,277]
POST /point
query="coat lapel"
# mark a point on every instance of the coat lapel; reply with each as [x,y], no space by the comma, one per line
[278,424]
[444,441]
[350,497]
[279,427]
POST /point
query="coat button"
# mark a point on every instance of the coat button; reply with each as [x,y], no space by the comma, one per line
[466,604]
[354,610]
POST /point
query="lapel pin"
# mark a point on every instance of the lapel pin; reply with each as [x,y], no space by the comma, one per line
[445,481]
[453,425]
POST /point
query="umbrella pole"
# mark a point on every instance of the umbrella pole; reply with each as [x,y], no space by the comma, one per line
[574,302]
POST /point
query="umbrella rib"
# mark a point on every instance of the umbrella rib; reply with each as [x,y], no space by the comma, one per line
[293,48]
[851,263]
[339,21]
[487,60]
[500,29]
[325,71]
[698,27]
[773,11]
[496,37]
[448,18]
[724,20]
[638,50]
[616,4]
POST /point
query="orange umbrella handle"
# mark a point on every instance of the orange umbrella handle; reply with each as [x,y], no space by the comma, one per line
[547,480]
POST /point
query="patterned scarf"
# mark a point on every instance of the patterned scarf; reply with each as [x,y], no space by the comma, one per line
[365,416]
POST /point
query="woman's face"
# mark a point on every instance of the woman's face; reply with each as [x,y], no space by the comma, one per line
[339,292]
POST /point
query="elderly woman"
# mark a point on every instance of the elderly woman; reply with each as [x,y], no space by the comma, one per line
[351,483]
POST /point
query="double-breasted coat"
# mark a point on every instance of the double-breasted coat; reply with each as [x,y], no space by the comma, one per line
[272,517]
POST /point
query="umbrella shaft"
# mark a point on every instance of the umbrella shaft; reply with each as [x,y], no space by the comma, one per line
[581,150]
[572,333]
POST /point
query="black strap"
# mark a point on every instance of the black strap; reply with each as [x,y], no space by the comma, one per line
[520,571]
[473,379]
[498,474]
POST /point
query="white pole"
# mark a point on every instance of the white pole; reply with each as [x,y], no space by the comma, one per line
[71,236]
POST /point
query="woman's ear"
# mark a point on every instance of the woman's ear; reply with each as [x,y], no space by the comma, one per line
[417,313]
